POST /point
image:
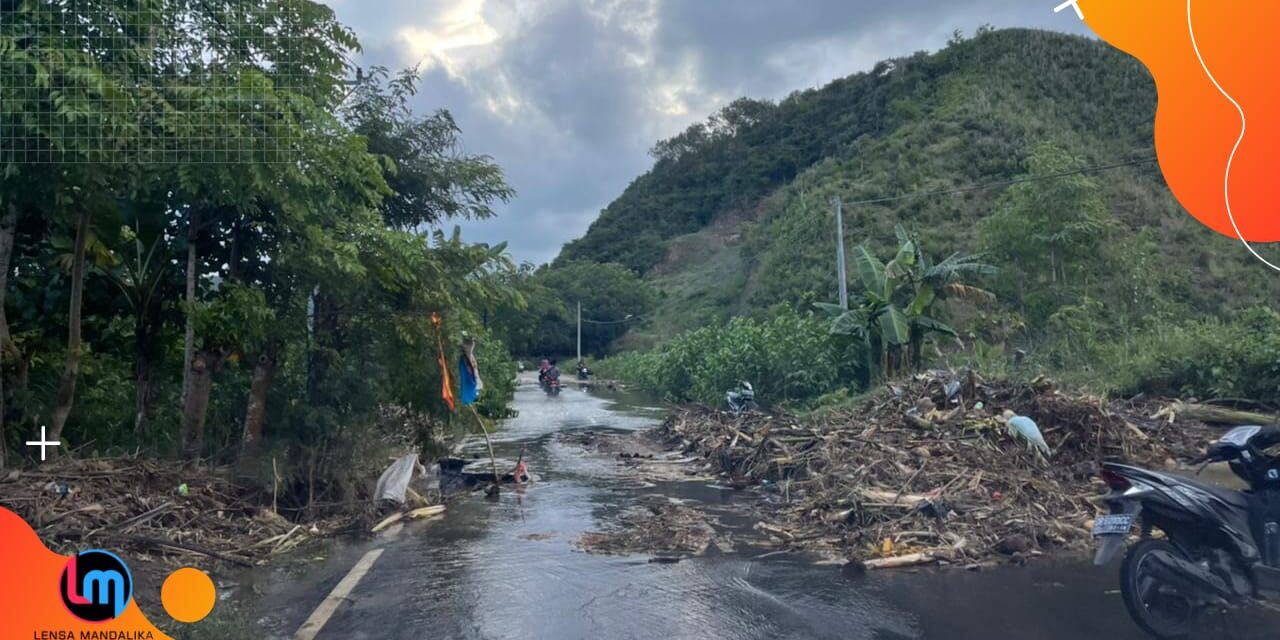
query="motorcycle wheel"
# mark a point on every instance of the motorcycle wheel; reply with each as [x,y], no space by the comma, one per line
[1155,606]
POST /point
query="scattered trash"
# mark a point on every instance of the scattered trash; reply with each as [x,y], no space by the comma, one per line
[60,489]
[394,482]
[183,490]
[952,389]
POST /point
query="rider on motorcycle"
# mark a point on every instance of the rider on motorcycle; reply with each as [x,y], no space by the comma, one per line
[548,371]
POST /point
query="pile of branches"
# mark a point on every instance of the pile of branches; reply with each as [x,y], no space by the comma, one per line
[146,507]
[927,471]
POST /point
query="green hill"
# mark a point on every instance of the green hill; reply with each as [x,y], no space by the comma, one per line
[735,216]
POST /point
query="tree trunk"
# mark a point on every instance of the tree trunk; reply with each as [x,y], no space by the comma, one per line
[324,343]
[189,335]
[264,371]
[8,228]
[204,364]
[71,368]
[142,378]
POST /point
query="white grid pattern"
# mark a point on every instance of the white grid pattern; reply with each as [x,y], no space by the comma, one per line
[147,81]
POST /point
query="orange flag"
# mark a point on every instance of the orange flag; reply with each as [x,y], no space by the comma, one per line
[446,387]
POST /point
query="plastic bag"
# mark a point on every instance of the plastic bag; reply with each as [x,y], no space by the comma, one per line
[394,482]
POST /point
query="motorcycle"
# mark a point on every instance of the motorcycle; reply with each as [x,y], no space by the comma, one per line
[1221,546]
[741,400]
[551,385]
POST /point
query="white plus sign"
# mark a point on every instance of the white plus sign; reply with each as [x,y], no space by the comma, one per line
[1074,4]
[43,444]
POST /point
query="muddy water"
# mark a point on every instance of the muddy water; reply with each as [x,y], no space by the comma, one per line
[509,569]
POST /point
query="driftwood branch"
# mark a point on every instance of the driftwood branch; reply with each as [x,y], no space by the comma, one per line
[1221,415]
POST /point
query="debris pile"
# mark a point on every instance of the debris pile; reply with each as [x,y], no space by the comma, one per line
[661,527]
[927,470]
[147,507]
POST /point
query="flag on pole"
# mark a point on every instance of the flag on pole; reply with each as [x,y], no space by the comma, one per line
[446,386]
[468,371]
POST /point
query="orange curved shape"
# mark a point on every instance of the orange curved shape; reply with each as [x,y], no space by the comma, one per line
[1197,127]
[30,602]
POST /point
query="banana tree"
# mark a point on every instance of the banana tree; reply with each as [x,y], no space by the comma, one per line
[139,278]
[898,306]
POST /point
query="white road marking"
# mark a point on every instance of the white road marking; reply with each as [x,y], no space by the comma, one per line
[321,615]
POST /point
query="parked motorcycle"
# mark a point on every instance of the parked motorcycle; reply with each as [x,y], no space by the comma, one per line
[1221,546]
[743,399]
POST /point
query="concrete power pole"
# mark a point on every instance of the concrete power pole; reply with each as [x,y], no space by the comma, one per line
[840,270]
[579,331]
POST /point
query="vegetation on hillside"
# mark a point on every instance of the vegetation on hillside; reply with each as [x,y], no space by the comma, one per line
[196,272]
[1031,149]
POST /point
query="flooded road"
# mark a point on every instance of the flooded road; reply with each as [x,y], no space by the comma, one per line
[510,569]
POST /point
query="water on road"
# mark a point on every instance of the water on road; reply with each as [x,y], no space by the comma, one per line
[510,568]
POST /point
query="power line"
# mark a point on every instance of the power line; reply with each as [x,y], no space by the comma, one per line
[1003,183]
[627,319]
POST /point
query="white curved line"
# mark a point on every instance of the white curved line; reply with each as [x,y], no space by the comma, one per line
[1226,178]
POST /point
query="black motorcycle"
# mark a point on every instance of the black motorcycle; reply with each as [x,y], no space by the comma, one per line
[1220,547]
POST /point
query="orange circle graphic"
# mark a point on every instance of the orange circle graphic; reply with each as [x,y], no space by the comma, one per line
[188,595]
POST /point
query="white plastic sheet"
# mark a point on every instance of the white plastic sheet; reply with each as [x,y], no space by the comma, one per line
[394,482]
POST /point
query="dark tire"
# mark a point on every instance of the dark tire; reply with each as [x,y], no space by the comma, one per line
[1155,606]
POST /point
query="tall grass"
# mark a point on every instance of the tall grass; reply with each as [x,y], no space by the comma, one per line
[790,357]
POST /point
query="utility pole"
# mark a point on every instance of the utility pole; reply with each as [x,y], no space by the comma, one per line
[840,270]
[579,331]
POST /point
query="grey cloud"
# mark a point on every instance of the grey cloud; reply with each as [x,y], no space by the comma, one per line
[587,86]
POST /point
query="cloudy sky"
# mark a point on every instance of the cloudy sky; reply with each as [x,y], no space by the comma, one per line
[569,95]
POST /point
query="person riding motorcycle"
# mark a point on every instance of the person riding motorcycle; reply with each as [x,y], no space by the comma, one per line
[583,372]
[548,372]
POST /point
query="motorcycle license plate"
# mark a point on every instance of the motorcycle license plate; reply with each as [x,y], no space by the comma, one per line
[1112,524]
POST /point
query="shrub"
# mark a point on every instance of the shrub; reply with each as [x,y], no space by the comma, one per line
[1206,358]
[786,358]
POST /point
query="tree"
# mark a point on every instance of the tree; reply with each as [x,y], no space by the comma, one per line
[431,180]
[613,300]
[234,212]
[61,75]
[1049,232]
[139,273]
[899,304]
[285,59]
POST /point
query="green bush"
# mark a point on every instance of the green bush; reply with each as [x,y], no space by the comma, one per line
[1207,359]
[787,358]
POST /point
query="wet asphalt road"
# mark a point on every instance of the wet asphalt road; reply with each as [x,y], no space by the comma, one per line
[510,569]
